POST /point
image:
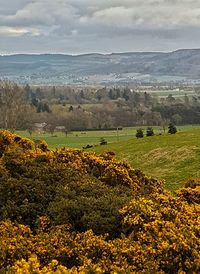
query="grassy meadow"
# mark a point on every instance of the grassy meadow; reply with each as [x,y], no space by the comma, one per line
[173,158]
[80,139]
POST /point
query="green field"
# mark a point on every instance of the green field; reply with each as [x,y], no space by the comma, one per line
[80,139]
[173,158]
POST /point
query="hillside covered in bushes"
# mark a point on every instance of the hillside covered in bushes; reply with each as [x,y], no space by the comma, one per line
[68,211]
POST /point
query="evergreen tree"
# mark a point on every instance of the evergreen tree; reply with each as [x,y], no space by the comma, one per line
[139,133]
[71,108]
[172,129]
[46,108]
[82,95]
[149,131]
[103,141]
[110,94]
[28,92]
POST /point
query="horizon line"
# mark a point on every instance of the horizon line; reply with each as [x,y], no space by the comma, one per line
[93,53]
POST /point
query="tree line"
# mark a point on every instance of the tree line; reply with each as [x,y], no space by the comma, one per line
[91,108]
[150,132]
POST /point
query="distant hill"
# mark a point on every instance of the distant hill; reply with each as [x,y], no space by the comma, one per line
[180,65]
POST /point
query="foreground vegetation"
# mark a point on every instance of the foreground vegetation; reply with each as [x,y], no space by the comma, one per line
[68,211]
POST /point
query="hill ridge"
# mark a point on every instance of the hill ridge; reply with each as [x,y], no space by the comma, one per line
[126,67]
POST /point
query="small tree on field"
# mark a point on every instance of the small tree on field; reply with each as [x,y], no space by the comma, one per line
[103,141]
[71,108]
[172,129]
[149,131]
[139,133]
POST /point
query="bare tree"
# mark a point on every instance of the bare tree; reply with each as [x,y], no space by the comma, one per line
[13,105]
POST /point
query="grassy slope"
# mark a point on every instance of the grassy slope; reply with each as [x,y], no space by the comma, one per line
[171,157]
[174,158]
[80,139]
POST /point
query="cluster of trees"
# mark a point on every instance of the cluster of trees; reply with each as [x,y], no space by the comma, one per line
[150,132]
[68,211]
[22,107]
[140,132]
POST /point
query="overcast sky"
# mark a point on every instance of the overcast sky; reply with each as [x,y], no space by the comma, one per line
[83,26]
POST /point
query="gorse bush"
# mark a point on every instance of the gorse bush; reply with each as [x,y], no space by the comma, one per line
[68,211]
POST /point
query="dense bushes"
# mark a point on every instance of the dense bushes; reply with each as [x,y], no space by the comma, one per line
[68,211]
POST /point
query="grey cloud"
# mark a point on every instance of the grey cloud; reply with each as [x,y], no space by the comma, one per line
[115,13]
[10,6]
[40,13]
[91,25]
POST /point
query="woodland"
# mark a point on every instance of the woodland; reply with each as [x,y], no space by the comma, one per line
[76,108]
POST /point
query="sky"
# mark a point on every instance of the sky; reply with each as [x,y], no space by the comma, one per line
[104,26]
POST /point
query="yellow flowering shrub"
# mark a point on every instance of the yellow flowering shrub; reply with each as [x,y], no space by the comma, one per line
[69,211]
[191,191]
[160,247]
[8,139]
[32,266]
[168,229]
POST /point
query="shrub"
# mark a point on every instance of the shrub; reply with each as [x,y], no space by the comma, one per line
[139,133]
[172,129]
[87,146]
[149,132]
[103,142]
[77,212]
[190,192]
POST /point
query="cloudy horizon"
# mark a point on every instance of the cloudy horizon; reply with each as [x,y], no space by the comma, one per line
[78,27]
